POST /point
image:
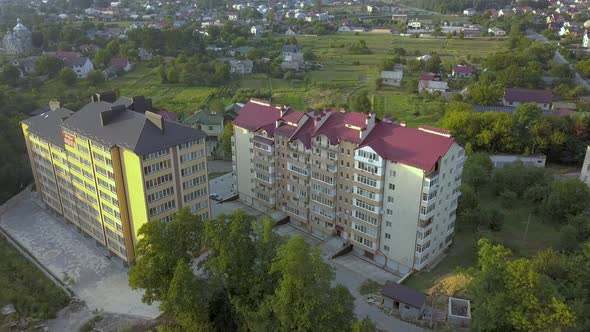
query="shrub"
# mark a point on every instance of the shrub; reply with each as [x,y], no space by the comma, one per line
[568,238]
[492,218]
[508,198]
[536,193]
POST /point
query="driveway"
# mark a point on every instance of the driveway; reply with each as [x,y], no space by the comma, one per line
[101,283]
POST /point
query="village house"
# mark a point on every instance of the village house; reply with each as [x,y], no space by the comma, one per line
[496,32]
[121,63]
[241,67]
[290,32]
[145,54]
[516,96]
[292,57]
[393,77]
[461,71]
[469,12]
[81,65]
[432,83]
[256,30]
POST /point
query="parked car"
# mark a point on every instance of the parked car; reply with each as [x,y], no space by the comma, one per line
[215,197]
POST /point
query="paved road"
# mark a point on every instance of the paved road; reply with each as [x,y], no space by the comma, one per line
[559,58]
[101,283]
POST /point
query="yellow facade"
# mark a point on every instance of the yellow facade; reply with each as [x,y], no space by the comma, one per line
[110,192]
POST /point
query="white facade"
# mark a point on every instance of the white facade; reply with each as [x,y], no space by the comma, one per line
[83,69]
[585,174]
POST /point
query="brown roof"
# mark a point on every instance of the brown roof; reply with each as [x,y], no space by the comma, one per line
[528,95]
[404,294]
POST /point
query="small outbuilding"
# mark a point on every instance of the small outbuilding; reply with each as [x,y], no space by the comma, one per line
[409,302]
[459,312]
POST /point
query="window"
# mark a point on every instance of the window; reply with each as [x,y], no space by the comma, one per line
[367,167]
[149,169]
[263,177]
[367,155]
[160,194]
[192,155]
[385,248]
[191,143]
[156,154]
[365,193]
[192,169]
[322,177]
[163,207]
[364,229]
[366,180]
[388,236]
[195,194]
[391,186]
[158,181]
[388,223]
[297,169]
[365,205]
[194,182]
[322,200]
[364,217]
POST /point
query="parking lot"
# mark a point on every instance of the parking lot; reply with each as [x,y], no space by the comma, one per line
[100,282]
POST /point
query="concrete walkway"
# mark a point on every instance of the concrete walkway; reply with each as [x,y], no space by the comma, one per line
[101,283]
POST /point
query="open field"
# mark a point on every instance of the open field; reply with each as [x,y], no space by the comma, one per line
[463,251]
[142,80]
[28,289]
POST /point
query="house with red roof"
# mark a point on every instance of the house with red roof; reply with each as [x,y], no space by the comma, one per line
[121,63]
[461,71]
[387,189]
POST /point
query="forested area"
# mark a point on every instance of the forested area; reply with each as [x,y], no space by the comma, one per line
[457,6]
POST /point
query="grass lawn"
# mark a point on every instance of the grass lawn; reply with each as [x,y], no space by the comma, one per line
[28,289]
[463,251]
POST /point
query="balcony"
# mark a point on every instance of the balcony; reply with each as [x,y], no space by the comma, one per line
[430,182]
[331,168]
[425,223]
[427,215]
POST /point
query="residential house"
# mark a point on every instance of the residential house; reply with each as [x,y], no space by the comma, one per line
[210,122]
[241,67]
[389,189]
[88,48]
[80,64]
[501,160]
[26,65]
[469,12]
[232,16]
[432,83]
[586,39]
[393,77]
[415,25]
[231,112]
[292,58]
[290,32]
[256,30]
[496,32]
[461,71]
[409,302]
[121,63]
[145,54]
[516,96]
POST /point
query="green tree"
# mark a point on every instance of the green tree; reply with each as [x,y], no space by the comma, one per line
[68,76]
[304,299]
[365,325]
[477,170]
[512,295]
[240,255]
[566,198]
[160,247]
[359,102]
[9,75]
[102,58]
[95,77]
[48,65]
[187,299]
[226,136]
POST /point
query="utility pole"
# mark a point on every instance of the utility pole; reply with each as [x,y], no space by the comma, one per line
[527,227]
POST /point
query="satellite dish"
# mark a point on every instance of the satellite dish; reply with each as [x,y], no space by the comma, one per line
[587,24]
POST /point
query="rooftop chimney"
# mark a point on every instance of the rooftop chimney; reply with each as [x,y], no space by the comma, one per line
[156,119]
[107,96]
[54,104]
[403,123]
[140,104]
[107,117]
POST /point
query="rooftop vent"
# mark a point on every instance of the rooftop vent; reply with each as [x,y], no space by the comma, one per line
[107,117]
[155,119]
[107,96]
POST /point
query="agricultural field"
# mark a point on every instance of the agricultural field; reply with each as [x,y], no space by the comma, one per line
[343,73]
[142,80]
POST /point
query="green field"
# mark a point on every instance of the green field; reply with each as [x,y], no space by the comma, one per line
[142,80]
[463,251]
[28,289]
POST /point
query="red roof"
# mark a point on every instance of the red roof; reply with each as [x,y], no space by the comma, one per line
[258,114]
[427,77]
[336,126]
[409,146]
[463,69]
[168,115]
[304,133]
[119,62]
[528,95]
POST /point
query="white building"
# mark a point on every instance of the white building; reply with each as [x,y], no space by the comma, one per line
[19,41]
[469,12]
[585,174]
[393,77]
[341,173]
[256,30]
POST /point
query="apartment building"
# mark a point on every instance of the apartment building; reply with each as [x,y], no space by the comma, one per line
[114,165]
[389,189]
